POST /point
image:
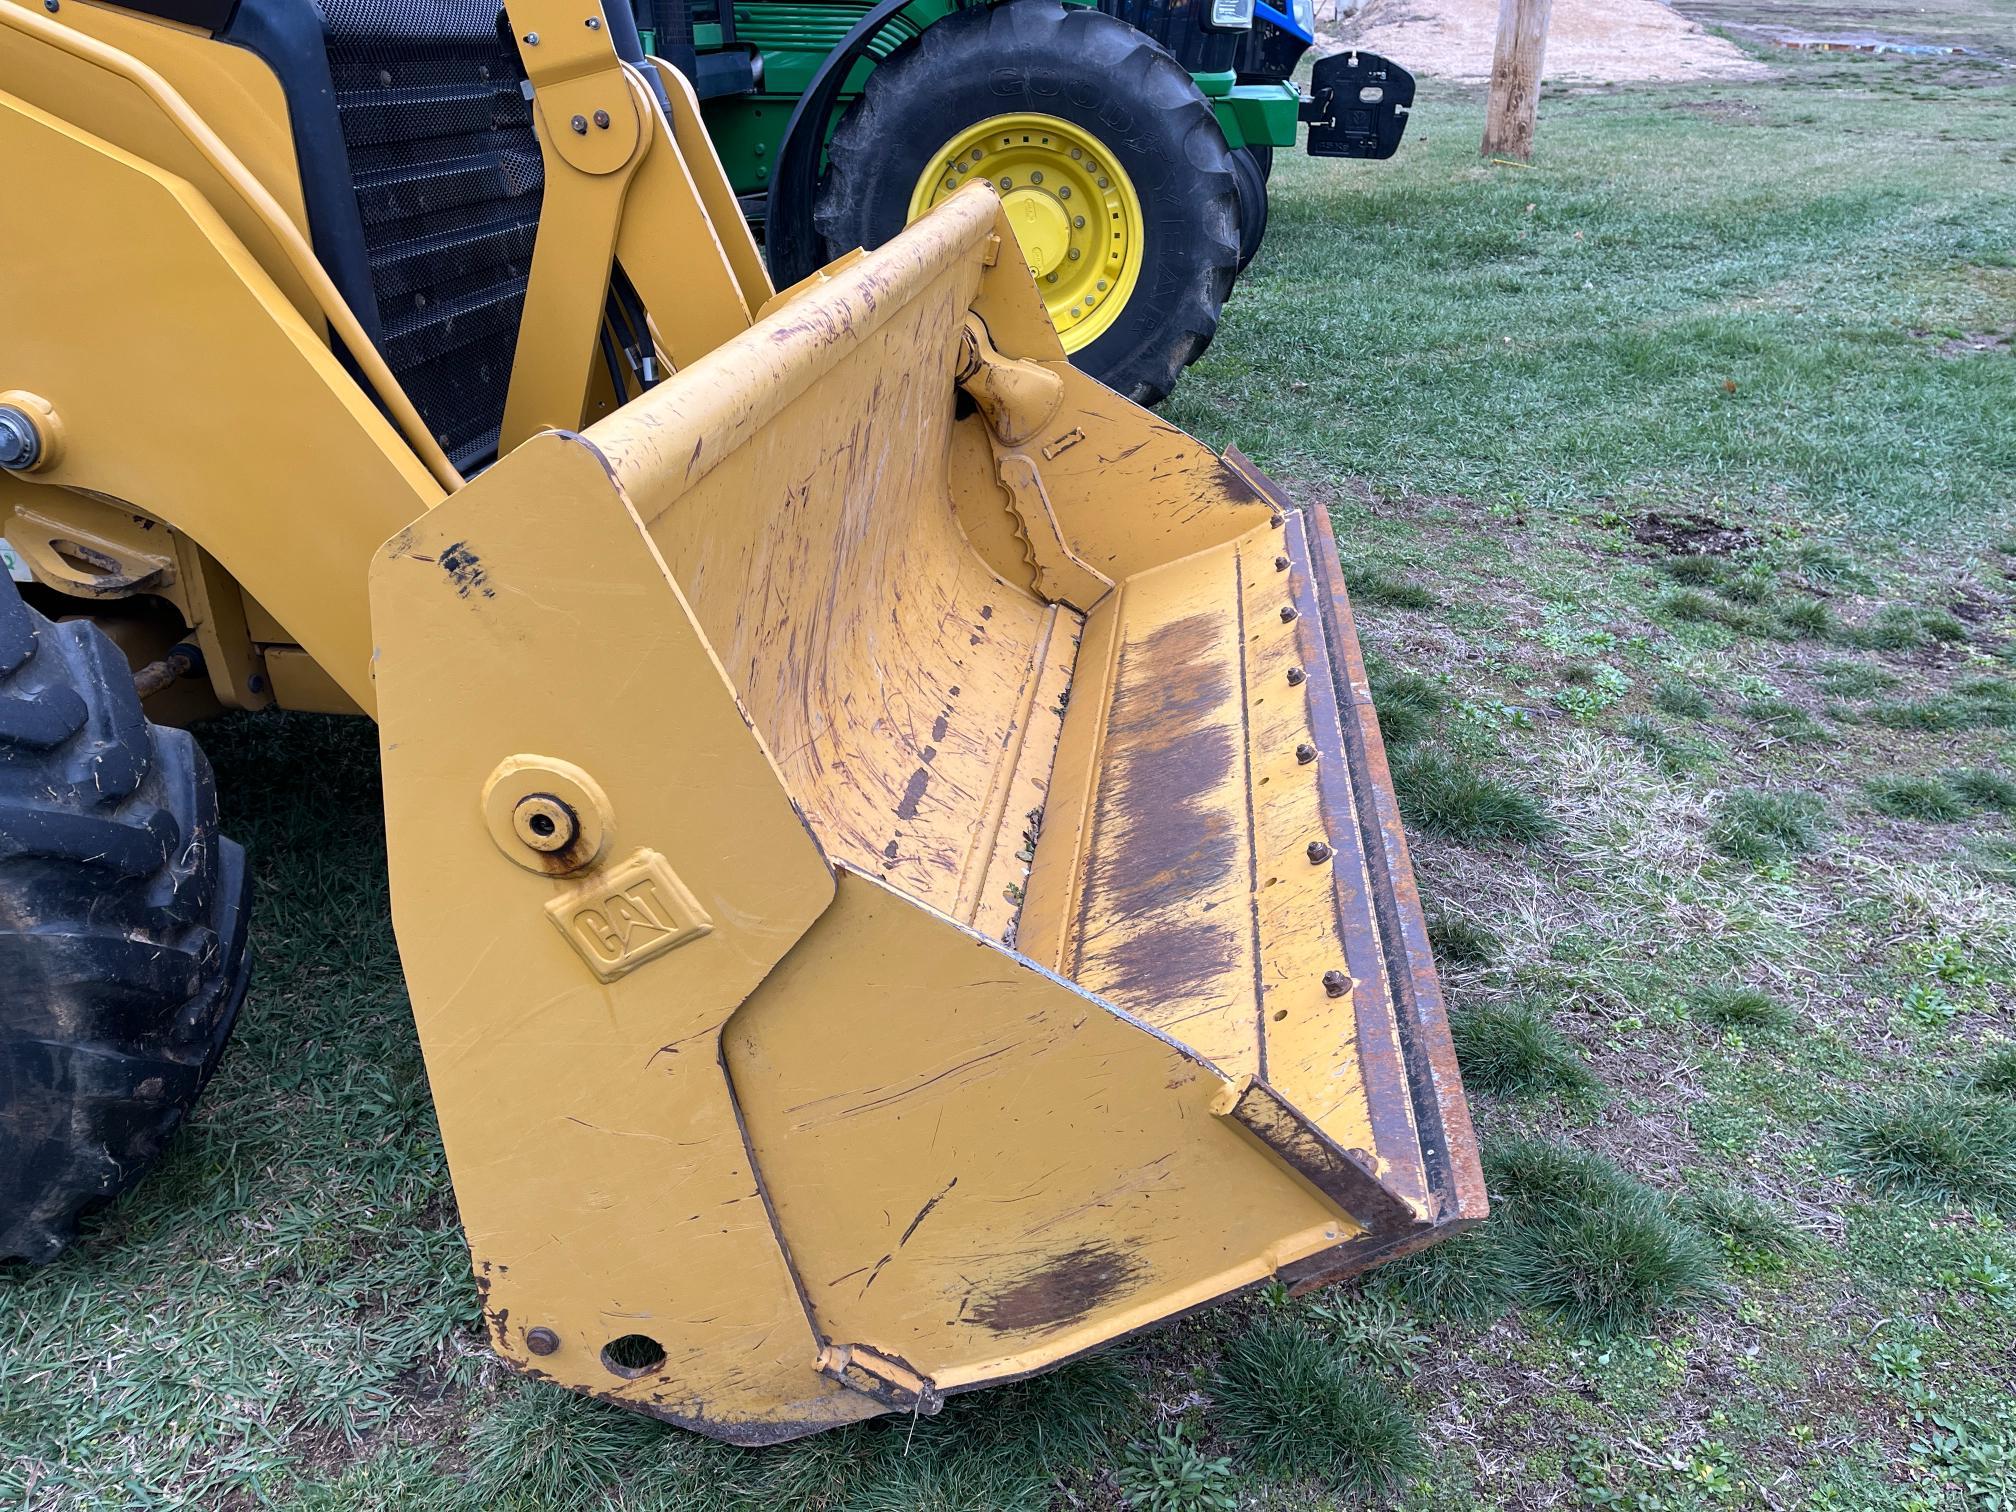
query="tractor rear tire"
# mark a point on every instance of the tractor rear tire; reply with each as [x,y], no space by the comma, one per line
[1110,82]
[122,928]
[1252,204]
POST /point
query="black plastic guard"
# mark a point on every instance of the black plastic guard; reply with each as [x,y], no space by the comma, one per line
[1357,106]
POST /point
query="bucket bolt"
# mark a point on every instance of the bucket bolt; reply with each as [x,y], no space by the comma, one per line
[20,439]
[544,823]
[1305,753]
[1336,983]
[543,1341]
[1319,852]
[1280,564]
[1296,677]
[1287,614]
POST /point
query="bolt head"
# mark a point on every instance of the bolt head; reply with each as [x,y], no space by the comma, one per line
[20,441]
[531,39]
[544,823]
[1305,753]
[1335,983]
[1295,677]
[1287,613]
[1319,852]
[580,125]
[1036,177]
[1280,564]
[602,119]
[541,1341]
[594,23]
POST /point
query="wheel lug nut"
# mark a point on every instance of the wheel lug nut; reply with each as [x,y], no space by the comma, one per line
[1036,178]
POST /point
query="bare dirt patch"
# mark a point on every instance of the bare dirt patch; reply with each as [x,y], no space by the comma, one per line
[1588,41]
[1689,534]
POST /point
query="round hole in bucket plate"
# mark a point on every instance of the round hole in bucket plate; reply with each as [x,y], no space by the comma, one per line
[633,1355]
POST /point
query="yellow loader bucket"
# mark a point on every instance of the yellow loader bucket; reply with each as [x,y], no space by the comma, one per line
[896,870]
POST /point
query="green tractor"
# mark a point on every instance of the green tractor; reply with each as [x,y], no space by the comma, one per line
[1131,140]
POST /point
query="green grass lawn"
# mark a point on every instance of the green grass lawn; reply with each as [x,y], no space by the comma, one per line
[1677,476]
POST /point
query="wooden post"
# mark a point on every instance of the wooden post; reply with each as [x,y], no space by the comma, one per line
[1515,78]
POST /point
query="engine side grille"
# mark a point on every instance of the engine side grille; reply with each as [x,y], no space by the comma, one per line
[448,179]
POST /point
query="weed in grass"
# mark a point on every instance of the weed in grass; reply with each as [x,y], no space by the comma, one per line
[1942,1146]
[1508,1050]
[1995,1073]
[1298,1409]
[1977,704]
[1673,752]
[1782,719]
[540,1447]
[1983,789]
[1694,607]
[1591,1246]
[1851,679]
[1924,798]
[1993,857]
[1445,795]
[1905,627]
[1694,571]
[1371,585]
[1460,940]
[1748,1010]
[1681,699]
[1464,1279]
[1806,619]
[1755,1237]
[1750,588]
[1372,1327]
[1926,1005]
[1829,565]
[1760,827]
[1408,703]
[1169,1473]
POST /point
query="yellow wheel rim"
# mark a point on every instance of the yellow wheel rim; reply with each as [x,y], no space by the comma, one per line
[1073,208]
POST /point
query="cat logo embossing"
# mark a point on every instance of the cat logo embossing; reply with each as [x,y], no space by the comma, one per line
[624,914]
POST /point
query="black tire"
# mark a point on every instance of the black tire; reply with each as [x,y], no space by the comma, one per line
[122,928]
[1105,77]
[1263,156]
[1252,204]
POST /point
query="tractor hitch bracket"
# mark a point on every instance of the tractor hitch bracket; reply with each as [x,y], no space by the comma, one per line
[1357,106]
